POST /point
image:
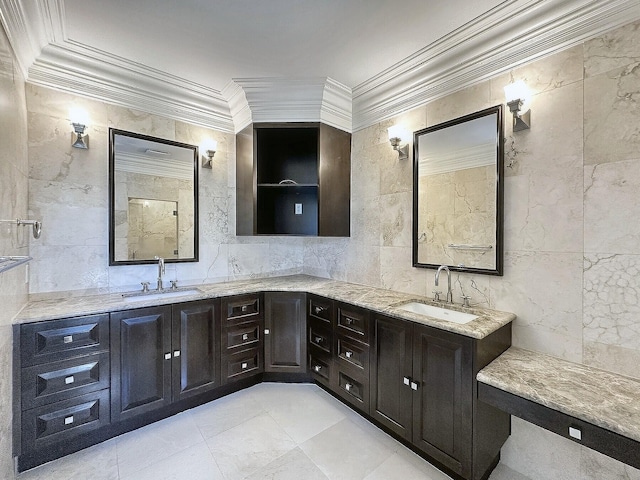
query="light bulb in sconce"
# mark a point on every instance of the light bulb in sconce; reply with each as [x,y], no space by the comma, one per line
[209,146]
[516,94]
[79,119]
[399,139]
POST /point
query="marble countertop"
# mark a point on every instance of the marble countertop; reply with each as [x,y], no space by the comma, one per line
[376,299]
[602,398]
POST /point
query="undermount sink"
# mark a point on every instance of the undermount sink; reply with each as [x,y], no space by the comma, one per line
[437,312]
[141,296]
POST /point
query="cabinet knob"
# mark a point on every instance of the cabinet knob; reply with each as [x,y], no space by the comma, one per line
[176,353]
[318,309]
[69,380]
[266,331]
[348,354]
[318,339]
[244,308]
[245,336]
[348,320]
[167,356]
[68,420]
[244,365]
[406,381]
[414,386]
[347,387]
[317,368]
[67,339]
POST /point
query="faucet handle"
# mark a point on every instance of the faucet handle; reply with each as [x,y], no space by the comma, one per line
[145,286]
[174,284]
[436,295]
[465,300]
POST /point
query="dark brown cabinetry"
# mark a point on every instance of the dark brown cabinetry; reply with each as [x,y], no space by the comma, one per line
[242,344]
[285,328]
[423,389]
[62,369]
[163,354]
[293,179]
[321,318]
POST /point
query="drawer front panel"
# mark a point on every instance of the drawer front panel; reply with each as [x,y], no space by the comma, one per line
[320,337]
[354,321]
[55,340]
[61,421]
[353,353]
[242,364]
[320,367]
[321,309]
[52,382]
[352,389]
[241,335]
[242,309]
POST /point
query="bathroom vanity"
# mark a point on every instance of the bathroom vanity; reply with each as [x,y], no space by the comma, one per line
[88,368]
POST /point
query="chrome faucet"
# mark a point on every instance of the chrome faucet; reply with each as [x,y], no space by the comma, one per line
[449,292]
[160,271]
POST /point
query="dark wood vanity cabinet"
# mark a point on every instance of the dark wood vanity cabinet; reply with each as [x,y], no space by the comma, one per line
[285,332]
[423,388]
[162,355]
[293,179]
[321,345]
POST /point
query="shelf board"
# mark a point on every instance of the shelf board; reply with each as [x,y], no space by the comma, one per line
[288,185]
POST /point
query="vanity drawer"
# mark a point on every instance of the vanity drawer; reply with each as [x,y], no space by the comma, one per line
[242,364]
[353,353]
[353,321]
[354,390]
[55,340]
[321,309]
[242,308]
[320,336]
[56,381]
[320,367]
[242,335]
[64,420]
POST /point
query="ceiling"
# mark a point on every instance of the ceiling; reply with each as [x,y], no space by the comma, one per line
[348,63]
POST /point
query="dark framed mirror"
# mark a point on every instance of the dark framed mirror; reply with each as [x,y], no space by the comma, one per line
[153,199]
[458,194]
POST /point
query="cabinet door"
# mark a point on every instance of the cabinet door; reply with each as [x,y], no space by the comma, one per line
[286,321]
[390,366]
[442,406]
[140,361]
[195,348]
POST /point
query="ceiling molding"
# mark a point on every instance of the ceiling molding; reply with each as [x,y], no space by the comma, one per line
[289,100]
[513,33]
[481,155]
[155,166]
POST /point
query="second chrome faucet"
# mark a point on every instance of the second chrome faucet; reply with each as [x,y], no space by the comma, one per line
[449,291]
[160,271]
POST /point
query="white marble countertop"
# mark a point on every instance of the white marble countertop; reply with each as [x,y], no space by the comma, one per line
[602,398]
[376,299]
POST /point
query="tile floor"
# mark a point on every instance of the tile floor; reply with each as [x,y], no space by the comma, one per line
[269,431]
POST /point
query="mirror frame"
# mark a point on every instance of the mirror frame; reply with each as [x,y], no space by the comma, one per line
[498,111]
[196,239]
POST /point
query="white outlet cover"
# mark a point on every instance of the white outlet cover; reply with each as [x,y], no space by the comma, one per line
[298,209]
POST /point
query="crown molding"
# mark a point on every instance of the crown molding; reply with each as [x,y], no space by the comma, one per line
[319,99]
[150,165]
[480,155]
[513,33]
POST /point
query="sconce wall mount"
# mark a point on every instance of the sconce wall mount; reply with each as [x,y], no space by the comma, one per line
[396,134]
[207,163]
[209,146]
[79,119]
[80,137]
[516,93]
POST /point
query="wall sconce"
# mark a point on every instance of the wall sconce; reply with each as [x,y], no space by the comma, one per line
[79,119]
[516,94]
[398,138]
[209,146]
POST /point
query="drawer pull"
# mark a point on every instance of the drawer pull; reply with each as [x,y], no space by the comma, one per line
[348,320]
[69,380]
[67,339]
[245,336]
[244,365]
[348,354]
[317,368]
[414,386]
[244,308]
[266,331]
[176,353]
[68,420]
[348,387]
[167,356]
[318,339]
[406,381]
[575,432]
[318,309]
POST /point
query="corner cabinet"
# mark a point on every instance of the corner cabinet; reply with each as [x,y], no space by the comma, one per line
[293,179]
[285,332]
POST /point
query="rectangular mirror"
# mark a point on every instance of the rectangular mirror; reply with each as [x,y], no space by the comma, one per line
[153,199]
[458,194]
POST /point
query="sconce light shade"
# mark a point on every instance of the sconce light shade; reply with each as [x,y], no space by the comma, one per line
[516,93]
[209,146]
[397,138]
[79,119]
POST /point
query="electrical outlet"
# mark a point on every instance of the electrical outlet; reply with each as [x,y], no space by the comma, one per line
[298,209]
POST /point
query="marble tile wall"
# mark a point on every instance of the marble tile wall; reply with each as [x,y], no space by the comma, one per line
[68,190]
[572,239]
[14,240]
